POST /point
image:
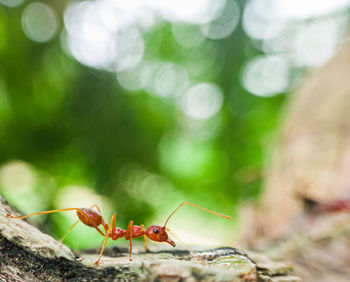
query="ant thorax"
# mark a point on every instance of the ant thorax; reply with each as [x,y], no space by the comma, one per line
[118,233]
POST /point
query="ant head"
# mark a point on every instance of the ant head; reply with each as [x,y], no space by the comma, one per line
[157,233]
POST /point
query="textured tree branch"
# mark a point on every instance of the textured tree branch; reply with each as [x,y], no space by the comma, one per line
[27,254]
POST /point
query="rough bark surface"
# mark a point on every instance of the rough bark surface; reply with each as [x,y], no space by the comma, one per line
[29,255]
[304,213]
[319,249]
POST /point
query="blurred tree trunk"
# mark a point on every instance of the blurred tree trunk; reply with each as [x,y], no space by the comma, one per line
[311,161]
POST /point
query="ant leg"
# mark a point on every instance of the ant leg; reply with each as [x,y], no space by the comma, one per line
[69,230]
[144,239]
[38,213]
[107,236]
[114,224]
[97,207]
[60,210]
[128,234]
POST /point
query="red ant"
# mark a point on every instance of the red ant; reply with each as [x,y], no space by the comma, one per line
[93,218]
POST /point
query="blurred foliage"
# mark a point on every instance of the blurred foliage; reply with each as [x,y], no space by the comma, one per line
[75,125]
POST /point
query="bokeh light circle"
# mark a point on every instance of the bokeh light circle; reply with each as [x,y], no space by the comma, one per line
[129,49]
[134,78]
[170,80]
[316,42]
[225,24]
[11,3]
[266,76]
[202,101]
[10,181]
[88,39]
[39,22]
[187,35]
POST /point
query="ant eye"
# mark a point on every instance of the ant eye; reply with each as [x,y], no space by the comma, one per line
[155,231]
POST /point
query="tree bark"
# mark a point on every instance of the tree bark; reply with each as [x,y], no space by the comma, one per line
[27,254]
[310,170]
[311,161]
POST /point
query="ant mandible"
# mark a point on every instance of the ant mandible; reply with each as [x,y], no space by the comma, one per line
[93,218]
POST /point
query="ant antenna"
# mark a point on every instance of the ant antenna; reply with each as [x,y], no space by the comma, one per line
[219,214]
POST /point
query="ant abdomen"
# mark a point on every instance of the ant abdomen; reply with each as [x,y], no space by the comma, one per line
[89,217]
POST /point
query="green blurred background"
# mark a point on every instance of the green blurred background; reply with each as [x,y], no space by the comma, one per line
[140,105]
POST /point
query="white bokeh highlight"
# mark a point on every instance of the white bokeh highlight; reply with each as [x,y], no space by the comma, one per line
[11,3]
[39,22]
[170,80]
[187,35]
[317,41]
[266,76]
[307,32]
[89,39]
[202,101]
[224,24]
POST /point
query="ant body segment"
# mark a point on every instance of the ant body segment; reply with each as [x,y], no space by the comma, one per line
[94,219]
